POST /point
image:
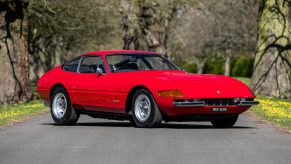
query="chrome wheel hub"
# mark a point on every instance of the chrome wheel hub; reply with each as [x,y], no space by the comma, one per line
[59,105]
[142,107]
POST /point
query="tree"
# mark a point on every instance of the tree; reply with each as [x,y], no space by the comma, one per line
[63,29]
[14,57]
[223,27]
[272,69]
[197,42]
[146,23]
[234,28]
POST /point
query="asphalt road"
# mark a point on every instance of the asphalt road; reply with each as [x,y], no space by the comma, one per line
[99,141]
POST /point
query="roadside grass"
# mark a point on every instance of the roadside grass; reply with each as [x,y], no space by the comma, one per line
[18,112]
[274,110]
[10,114]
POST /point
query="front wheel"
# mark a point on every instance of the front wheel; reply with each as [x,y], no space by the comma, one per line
[225,123]
[61,109]
[145,110]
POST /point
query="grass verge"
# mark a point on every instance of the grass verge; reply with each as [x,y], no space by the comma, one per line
[276,111]
[10,114]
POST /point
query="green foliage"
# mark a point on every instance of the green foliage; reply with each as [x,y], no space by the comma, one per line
[242,67]
[214,65]
[33,86]
[189,67]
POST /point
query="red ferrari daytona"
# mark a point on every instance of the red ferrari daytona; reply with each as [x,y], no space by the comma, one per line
[142,87]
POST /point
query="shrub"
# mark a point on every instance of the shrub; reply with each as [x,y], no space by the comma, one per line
[242,67]
[214,65]
[189,67]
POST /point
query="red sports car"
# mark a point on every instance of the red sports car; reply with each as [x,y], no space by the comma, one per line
[142,87]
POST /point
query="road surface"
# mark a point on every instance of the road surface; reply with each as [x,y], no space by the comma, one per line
[99,141]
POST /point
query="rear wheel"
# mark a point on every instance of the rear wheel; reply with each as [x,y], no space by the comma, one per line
[145,110]
[61,109]
[225,123]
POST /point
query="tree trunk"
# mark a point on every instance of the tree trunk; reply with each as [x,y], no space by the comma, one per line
[148,28]
[200,67]
[227,65]
[14,61]
[272,70]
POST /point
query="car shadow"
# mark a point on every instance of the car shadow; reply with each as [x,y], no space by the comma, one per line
[171,125]
[196,126]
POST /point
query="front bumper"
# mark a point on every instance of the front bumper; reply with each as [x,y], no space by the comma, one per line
[202,103]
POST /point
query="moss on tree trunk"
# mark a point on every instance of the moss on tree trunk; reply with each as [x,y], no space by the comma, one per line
[14,61]
[271,76]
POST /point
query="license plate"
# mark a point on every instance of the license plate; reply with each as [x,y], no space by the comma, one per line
[219,109]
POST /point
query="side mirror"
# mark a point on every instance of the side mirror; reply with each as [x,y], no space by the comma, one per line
[99,72]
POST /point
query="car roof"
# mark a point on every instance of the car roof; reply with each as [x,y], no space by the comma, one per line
[118,52]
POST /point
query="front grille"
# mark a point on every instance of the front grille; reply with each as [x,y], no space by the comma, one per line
[211,101]
[218,102]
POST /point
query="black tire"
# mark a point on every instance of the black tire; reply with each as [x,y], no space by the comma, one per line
[225,123]
[155,116]
[131,120]
[70,116]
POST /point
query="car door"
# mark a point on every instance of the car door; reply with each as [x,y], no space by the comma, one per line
[93,90]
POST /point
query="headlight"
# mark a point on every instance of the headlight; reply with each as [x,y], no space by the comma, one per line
[171,93]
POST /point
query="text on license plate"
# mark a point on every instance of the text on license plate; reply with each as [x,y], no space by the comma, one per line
[219,109]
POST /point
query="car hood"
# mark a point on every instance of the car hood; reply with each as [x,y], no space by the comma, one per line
[199,85]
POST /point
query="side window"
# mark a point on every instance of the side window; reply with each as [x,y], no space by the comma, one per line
[158,63]
[141,65]
[90,64]
[126,63]
[114,60]
[72,65]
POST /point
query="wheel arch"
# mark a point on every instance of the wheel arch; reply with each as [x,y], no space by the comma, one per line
[130,95]
[56,86]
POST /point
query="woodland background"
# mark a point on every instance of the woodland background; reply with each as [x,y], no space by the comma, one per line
[241,38]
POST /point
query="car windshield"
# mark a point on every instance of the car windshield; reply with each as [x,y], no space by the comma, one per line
[138,62]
